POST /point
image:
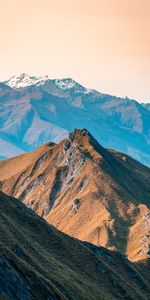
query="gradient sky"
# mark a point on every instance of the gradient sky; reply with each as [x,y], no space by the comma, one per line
[103,44]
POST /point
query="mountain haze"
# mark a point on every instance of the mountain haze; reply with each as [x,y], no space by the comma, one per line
[35,110]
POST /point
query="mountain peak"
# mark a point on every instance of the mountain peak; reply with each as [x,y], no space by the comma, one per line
[69,83]
[25,80]
[81,137]
[97,195]
[79,133]
[86,141]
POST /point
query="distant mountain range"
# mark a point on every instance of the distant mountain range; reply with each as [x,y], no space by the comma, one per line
[35,110]
[94,194]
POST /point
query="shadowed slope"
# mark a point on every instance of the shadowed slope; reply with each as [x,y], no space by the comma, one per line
[39,262]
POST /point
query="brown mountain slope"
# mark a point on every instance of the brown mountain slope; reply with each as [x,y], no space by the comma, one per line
[38,262]
[97,195]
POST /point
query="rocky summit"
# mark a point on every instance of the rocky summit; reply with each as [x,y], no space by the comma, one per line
[94,194]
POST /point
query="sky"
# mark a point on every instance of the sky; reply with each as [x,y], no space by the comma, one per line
[103,44]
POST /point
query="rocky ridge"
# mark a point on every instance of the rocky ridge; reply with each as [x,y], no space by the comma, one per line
[94,194]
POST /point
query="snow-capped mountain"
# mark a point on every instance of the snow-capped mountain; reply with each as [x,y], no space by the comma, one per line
[35,110]
[25,80]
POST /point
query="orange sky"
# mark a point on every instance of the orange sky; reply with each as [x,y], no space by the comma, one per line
[103,44]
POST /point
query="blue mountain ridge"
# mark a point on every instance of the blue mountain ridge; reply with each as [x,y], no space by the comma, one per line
[34,111]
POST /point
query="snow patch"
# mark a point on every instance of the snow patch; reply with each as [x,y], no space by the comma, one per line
[24,80]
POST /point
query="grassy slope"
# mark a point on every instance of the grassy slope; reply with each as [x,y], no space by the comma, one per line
[39,262]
